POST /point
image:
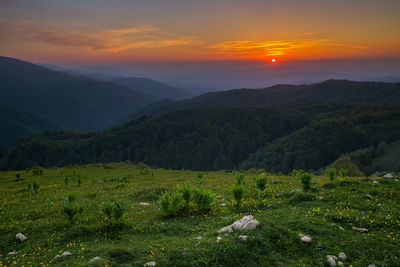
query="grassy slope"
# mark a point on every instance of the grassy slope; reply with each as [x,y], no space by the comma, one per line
[146,236]
[391,158]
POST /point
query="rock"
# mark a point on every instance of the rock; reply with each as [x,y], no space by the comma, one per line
[150,263]
[144,204]
[223,204]
[305,238]
[198,238]
[246,223]
[372,265]
[340,263]
[184,253]
[12,253]
[342,256]
[396,180]
[64,255]
[296,191]
[331,260]
[388,175]
[15,263]
[21,237]
[341,228]
[360,230]
[243,238]
[320,198]
[95,259]
[219,238]
[368,196]
[375,182]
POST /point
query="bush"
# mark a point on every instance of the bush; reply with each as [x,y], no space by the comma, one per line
[305,179]
[200,178]
[345,163]
[260,181]
[35,187]
[71,207]
[238,193]
[203,199]
[172,204]
[342,173]
[186,192]
[239,176]
[331,173]
[36,170]
[114,210]
[18,176]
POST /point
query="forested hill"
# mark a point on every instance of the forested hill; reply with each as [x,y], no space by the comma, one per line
[306,135]
[338,91]
[78,102]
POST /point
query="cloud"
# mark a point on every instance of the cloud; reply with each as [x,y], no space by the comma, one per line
[271,48]
[113,41]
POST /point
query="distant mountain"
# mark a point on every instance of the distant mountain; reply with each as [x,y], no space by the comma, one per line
[331,91]
[16,123]
[154,88]
[78,102]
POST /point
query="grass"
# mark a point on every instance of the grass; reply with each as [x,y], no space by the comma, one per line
[145,235]
[390,160]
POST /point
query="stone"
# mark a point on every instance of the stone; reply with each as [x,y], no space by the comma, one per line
[246,223]
[296,191]
[375,182]
[305,238]
[223,204]
[243,238]
[144,204]
[368,196]
[64,255]
[396,180]
[219,238]
[150,263]
[341,228]
[340,263]
[360,230]
[12,253]
[320,198]
[184,253]
[15,263]
[372,265]
[331,260]
[342,256]
[21,237]
[198,238]
[388,175]
[95,259]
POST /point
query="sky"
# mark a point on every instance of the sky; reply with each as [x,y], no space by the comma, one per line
[122,33]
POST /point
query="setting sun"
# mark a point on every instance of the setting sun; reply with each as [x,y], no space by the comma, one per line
[273,60]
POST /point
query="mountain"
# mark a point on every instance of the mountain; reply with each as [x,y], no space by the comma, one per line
[16,123]
[331,91]
[77,102]
[300,135]
[154,88]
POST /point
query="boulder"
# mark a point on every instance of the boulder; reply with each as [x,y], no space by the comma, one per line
[305,238]
[64,255]
[388,175]
[95,259]
[219,238]
[243,238]
[331,260]
[360,230]
[150,263]
[21,237]
[246,223]
[342,256]
[372,265]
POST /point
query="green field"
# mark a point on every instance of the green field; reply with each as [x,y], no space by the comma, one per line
[145,235]
[390,160]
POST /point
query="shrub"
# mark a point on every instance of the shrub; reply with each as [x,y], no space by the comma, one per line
[79,183]
[238,193]
[35,187]
[18,176]
[172,204]
[36,170]
[305,179]
[296,173]
[203,199]
[186,192]
[239,176]
[342,173]
[71,207]
[114,210]
[260,181]
[200,179]
[66,181]
[331,174]
[344,162]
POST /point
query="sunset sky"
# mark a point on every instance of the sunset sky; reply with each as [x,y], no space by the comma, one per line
[84,31]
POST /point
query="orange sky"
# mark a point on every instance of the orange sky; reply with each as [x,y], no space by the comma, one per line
[91,31]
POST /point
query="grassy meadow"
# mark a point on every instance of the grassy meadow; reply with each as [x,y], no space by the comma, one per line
[326,213]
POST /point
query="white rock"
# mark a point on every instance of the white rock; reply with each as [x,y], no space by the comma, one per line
[372,265]
[63,255]
[150,263]
[198,238]
[320,198]
[15,263]
[296,191]
[95,259]
[340,263]
[12,253]
[396,180]
[305,239]
[243,237]
[331,260]
[388,175]
[21,237]
[342,255]
[144,204]
[361,230]
[368,196]
[375,182]
[341,228]
[246,223]
[223,204]
[219,238]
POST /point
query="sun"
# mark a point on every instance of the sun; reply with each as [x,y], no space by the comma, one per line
[273,60]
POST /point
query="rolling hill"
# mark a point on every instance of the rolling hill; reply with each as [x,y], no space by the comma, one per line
[77,102]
